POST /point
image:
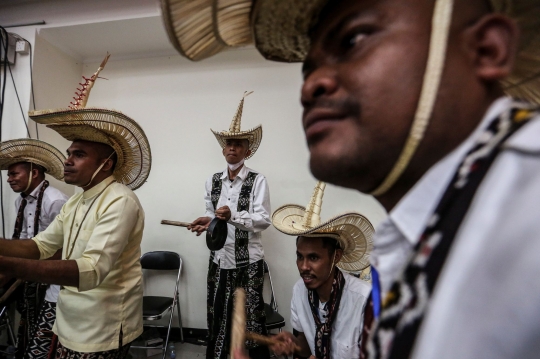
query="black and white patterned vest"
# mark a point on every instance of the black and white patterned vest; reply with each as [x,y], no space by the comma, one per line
[241,237]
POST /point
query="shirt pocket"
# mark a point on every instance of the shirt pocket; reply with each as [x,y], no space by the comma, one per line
[347,351]
[78,244]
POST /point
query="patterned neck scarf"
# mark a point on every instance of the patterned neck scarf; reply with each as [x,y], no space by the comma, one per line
[323,333]
[20,214]
[408,299]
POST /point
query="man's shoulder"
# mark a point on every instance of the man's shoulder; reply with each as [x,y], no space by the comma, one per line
[120,190]
[299,289]
[356,286]
[54,194]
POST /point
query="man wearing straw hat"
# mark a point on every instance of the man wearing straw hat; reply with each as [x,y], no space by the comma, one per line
[99,311]
[240,196]
[327,306]
[27,161]
[406,100]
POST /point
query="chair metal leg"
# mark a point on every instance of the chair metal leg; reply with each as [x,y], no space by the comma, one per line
[180,320]
[168,332]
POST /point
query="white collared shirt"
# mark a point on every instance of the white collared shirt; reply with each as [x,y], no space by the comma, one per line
[347,326]
[485,304]
[53,200]
[254,221]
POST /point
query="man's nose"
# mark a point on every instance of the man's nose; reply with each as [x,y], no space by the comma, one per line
[321,82]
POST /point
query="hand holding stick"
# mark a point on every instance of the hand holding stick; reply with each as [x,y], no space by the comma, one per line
[175,223]
[264,340]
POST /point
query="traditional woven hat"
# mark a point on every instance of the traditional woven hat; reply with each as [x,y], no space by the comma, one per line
[254,136]
[110,127]
[201,28]
[282,27]
[34,151]
[353,231]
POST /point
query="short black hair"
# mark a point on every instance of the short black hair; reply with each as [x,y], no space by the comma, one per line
[40,169]
[327,242]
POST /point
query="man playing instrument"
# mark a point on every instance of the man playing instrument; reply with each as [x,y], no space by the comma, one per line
[27,161]
[328,304]
[240,196]
[99,311]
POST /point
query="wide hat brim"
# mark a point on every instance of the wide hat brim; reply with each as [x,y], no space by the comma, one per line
[123,134]
[189,25]
[353,231]
[34,151]
[281,30]
[254,136]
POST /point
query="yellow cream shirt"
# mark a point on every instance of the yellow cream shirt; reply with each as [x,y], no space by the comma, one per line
[101,229]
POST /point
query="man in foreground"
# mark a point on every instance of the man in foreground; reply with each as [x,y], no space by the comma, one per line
[406,100]
[27,161]
[328,304]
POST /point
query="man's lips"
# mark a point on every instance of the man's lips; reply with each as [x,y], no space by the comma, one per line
[307,278]
[318,118]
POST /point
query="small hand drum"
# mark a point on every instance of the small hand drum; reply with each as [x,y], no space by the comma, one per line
[216,234]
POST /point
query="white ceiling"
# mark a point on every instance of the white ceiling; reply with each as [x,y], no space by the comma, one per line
[128,38]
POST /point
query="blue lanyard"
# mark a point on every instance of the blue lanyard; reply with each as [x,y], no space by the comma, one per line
[376,292]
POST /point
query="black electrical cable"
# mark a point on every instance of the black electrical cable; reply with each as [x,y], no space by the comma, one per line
[4,45]
[32,84]
[18,99]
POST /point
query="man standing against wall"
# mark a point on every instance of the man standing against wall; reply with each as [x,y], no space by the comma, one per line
[27,161]
[240,196]
[404,99]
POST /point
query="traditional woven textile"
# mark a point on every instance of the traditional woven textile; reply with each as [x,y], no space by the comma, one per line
[221,286]
[408,299]
[323,333]
[42,338]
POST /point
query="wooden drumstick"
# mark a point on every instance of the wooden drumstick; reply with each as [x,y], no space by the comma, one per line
[238,331]
[10,290]
[264,340]
[175,223]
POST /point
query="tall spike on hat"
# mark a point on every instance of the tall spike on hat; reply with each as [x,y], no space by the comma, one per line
[254,136]
[123,134]
[312,217]
[237,119]
[353,231]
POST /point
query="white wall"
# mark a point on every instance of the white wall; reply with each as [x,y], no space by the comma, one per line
[177,102]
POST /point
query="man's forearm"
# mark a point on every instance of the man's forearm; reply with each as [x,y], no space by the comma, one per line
[62,272]
[22,248]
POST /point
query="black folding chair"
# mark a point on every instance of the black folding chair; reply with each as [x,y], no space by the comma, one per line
[155,307]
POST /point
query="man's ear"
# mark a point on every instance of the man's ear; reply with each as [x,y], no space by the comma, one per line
[494,41]
[107,166]
[339,254]
[35,173]
[248,152]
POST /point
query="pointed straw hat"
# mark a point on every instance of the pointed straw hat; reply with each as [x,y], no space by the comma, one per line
[34,151]
[281,33]
[201,28]
[123,134]
[254,136]
[353,231]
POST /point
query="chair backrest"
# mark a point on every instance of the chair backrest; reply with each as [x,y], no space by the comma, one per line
[161,260]
[273,303]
